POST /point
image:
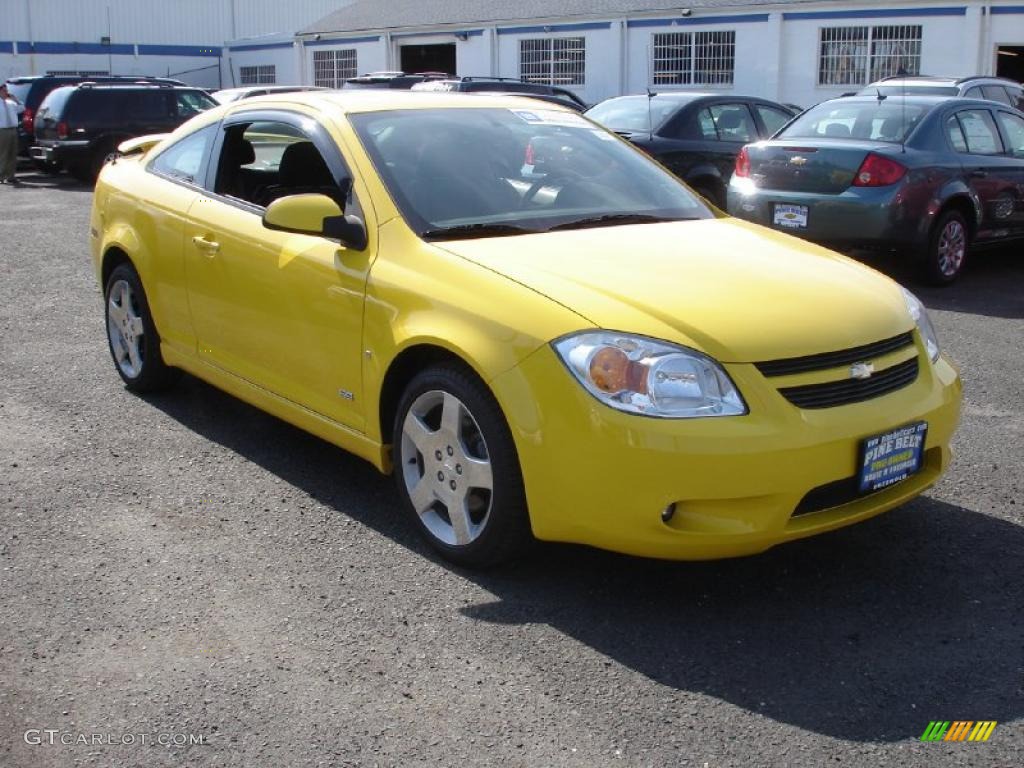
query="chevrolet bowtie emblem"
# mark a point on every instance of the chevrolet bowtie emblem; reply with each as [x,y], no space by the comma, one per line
[798,160]
[861,370]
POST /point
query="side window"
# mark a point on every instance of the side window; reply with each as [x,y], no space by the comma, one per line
[956,136]
[706,123]
[974,93]
[1013,127]
[148,105]
[184,159]
[996,93]
[980,132]
[772,118]
[262,161]
[734,122]
[191,103]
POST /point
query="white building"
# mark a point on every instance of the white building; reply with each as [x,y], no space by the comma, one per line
[177,38]
[802,52]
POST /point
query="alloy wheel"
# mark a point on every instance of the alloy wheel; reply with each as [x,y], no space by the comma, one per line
[446,468]
[952,247]
[125,329]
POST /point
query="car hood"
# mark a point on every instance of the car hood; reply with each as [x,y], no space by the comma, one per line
[738,292]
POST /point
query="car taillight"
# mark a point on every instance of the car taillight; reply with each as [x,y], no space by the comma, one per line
[878,171]
[742,164]
[530,154]
[28,120]
[62,130]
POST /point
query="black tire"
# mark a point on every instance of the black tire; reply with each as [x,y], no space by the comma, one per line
[503,529]
[711,194]
[82,172]
[940,266]
[147,373]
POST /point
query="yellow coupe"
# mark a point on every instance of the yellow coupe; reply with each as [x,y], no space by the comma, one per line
[540,331]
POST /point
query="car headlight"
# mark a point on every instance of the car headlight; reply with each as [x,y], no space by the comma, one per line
[924,324]
[654,378]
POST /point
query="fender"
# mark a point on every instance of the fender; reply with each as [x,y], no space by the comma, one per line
[954,189]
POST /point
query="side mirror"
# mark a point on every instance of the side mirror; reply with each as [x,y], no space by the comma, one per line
[315,214]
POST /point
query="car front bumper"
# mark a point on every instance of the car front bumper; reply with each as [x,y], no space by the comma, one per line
[597,476]
[878,217]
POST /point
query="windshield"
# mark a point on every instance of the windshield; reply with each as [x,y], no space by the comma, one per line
[633,114]
[493,171]
[875,121]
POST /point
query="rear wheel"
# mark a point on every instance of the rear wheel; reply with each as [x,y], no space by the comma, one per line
[131,335]
[947,248]
[457,469]
[710,193]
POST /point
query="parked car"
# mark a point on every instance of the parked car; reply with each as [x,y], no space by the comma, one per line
[79,126]
[503,85]
[594,356]
[399,80]
[33,89]
[925,174]
[1009,92]
[226,95]
[695,135]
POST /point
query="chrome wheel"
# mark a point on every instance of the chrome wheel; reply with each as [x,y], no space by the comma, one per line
[952,247]
[125,329]
[446,468]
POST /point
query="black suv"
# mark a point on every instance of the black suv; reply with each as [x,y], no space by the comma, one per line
[77,127]
[31,91]
[506,85]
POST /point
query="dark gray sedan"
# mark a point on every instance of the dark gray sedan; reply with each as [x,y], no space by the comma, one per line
[925,174]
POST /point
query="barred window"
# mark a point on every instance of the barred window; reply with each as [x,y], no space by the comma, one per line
[332,68]
[262,74]
[694,58]
[860,55]
[553,60]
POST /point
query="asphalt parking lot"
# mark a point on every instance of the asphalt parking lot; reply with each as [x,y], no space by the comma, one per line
[185,566]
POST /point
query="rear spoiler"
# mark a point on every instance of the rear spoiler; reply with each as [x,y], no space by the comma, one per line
[141,144]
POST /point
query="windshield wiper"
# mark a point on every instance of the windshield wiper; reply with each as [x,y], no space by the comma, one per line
[475,230]
[611,219]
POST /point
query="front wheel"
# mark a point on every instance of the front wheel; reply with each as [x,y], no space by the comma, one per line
[457,469]
[947,248]
[131,334]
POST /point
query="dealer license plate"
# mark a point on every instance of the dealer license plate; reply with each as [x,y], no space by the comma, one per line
[790,216]
[891,457]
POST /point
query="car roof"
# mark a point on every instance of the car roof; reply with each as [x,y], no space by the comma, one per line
[911,98]
[385,99]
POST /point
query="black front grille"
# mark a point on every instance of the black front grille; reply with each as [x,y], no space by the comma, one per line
[846,391]
[827,360]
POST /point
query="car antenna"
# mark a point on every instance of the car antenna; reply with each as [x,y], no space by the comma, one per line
[650,112]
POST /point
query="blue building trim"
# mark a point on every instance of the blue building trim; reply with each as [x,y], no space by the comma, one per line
[341,41]
[880,13]
[1006,10]
[210,51]
[466,32]
[93,49]
[554,28]
[259,46]
[749,18]
[6,46]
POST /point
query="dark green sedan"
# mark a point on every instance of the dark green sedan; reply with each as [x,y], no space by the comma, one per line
[928,175]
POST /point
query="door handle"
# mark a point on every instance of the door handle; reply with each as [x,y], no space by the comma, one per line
[209,247]
[979,174]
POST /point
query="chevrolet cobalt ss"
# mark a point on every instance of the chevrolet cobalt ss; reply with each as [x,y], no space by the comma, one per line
[573,348]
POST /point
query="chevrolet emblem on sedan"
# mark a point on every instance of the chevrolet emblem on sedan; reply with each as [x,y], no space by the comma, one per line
[536,329]
[800,161]
[861,370]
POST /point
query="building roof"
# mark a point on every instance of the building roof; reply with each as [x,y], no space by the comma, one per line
[367,15]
